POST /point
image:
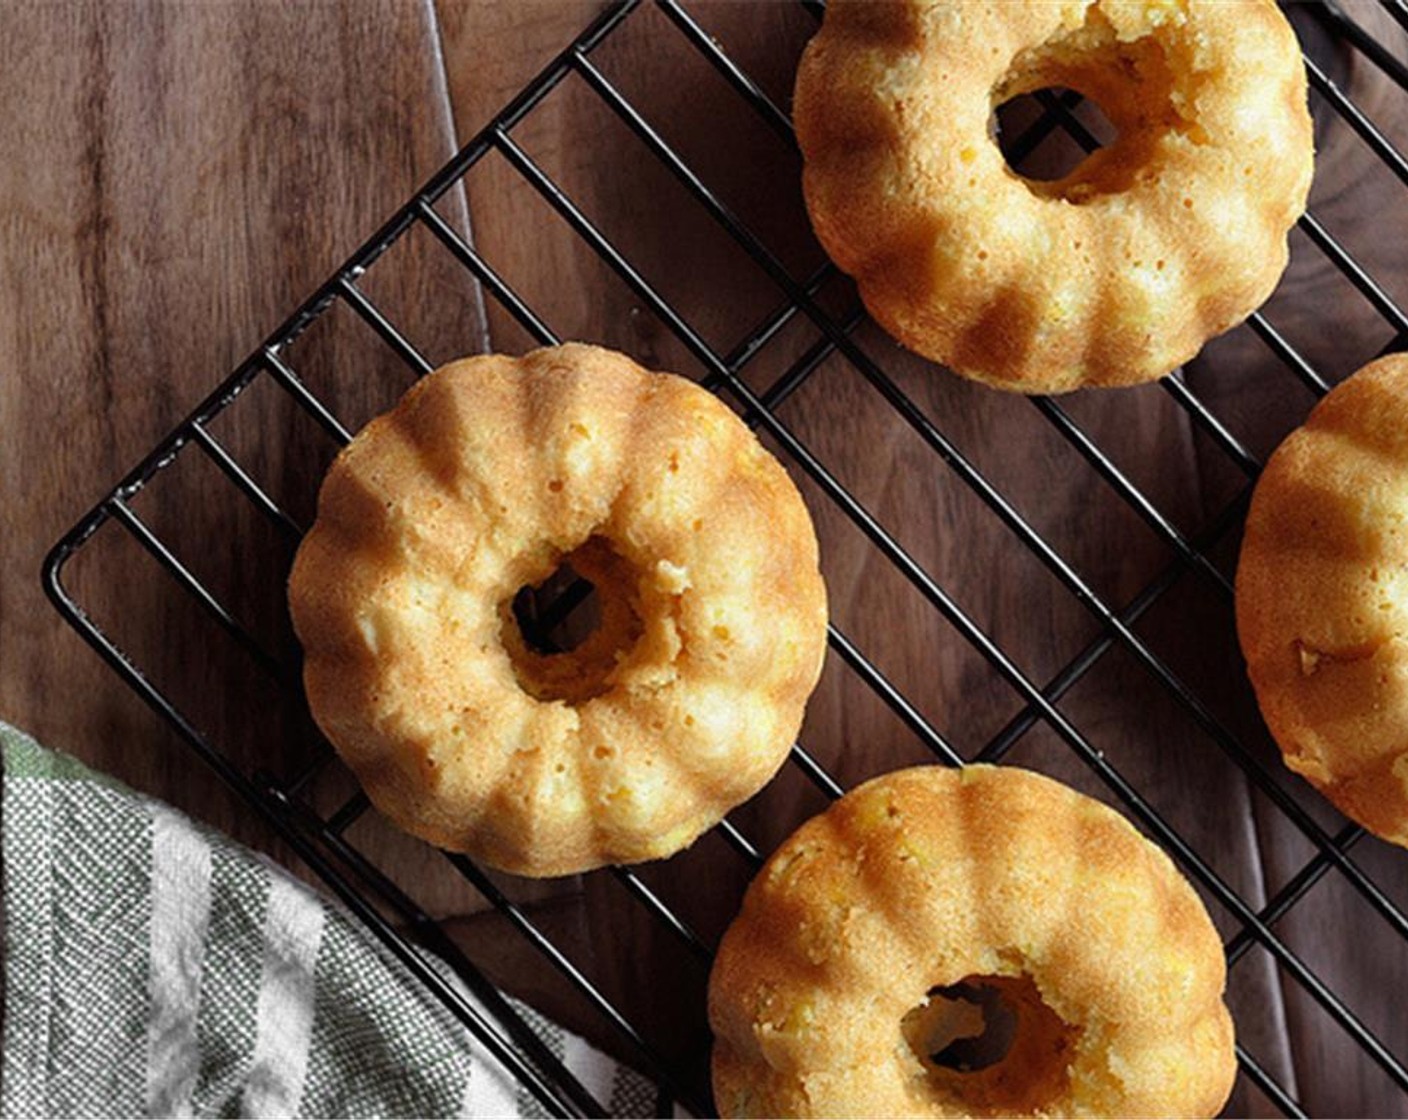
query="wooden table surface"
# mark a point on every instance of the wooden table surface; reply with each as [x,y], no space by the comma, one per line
[176,177]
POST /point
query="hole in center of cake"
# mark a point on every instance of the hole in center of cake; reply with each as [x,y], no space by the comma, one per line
[1044,149]
[566,632]
[1131,100]
[559,614]
[992,1043]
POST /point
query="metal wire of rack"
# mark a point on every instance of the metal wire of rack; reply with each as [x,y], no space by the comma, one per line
[321,840]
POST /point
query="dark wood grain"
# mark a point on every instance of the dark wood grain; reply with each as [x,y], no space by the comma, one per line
[178,176]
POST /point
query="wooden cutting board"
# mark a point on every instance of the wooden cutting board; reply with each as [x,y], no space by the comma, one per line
[177,177]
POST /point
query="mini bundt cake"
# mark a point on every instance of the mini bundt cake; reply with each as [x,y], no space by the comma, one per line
[1322,597]
[873,935]
[488,476]
[1112,275]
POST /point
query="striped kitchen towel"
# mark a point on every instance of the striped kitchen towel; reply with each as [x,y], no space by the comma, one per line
[155,968]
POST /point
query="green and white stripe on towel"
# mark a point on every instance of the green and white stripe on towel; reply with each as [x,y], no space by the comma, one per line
[155,968]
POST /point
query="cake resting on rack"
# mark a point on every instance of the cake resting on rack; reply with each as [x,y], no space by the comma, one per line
[1111,275]
[490,475]
[1322,597]
[868,942]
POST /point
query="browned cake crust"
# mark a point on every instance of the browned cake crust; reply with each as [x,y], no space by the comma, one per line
[1322,597]
[489,473]
[924,878]
[1111,276]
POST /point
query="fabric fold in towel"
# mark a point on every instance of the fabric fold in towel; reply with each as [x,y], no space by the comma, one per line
[153,967]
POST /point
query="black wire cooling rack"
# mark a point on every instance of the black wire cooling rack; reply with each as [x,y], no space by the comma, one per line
[321,838]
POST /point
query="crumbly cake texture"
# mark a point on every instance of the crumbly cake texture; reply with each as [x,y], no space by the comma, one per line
[924,878]
[1322,597]
[1113,275]
[490,473]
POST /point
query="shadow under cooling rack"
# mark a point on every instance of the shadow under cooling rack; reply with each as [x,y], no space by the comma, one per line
[816,331]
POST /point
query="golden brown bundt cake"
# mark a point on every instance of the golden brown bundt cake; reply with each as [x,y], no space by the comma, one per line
[1112,275]
[832,991]
[490,474]
[1322,597]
